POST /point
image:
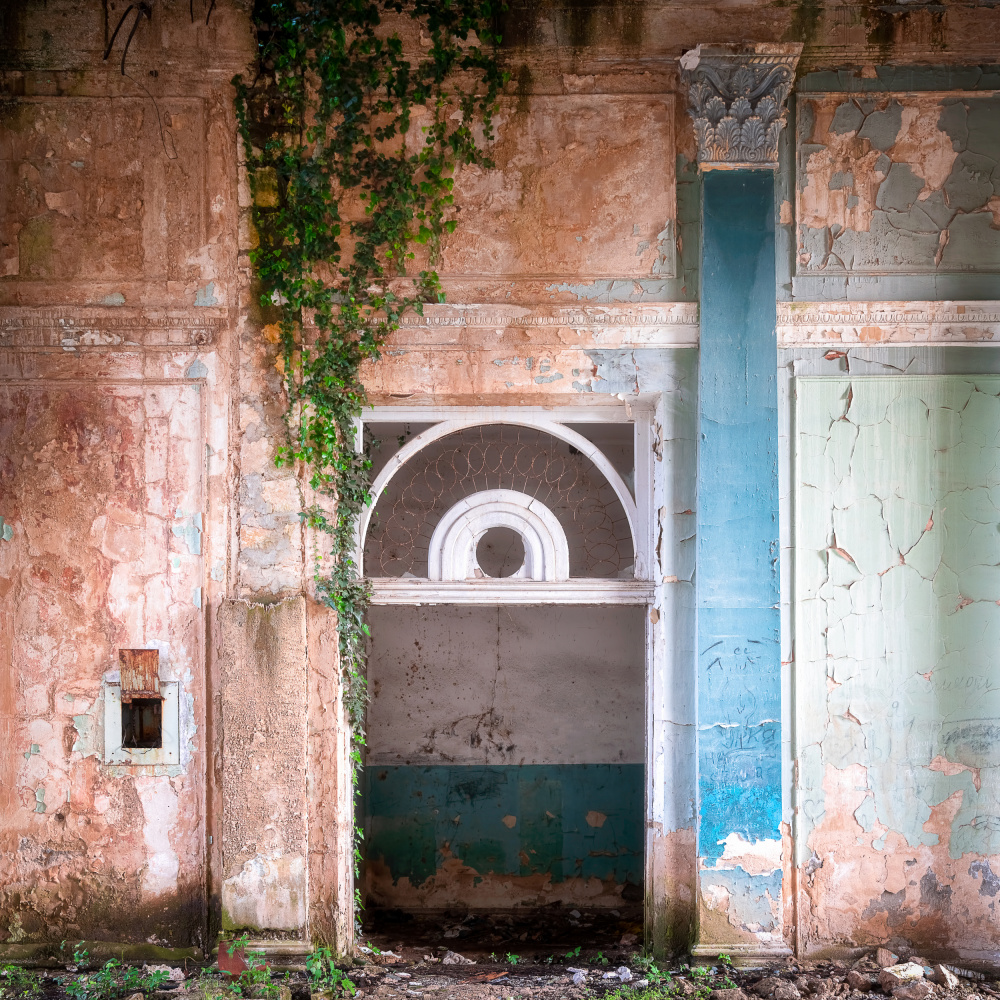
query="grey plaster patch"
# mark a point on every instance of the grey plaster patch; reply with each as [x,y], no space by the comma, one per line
[969,186]
[841,180]
[847,118]
[881,128]
[933,894]
[900,188]
[990,883]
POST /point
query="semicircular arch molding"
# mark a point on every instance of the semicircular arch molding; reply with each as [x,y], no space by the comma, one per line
[445,428]
[452,552]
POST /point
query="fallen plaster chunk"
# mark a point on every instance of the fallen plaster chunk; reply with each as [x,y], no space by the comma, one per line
[899,975]
[453,958]
[913,991]
[944,976]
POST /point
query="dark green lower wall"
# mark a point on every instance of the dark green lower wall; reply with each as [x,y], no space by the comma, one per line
[569,820]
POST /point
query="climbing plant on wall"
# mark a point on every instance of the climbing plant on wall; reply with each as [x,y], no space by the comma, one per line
[352,128]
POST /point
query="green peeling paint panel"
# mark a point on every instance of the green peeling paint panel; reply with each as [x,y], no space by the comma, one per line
[897,584]
[567,820]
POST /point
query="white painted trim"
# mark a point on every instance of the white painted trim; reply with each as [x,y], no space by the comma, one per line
[880,324]
[500,415]
[170,750]
[404,590]
[604,410]
[452,553]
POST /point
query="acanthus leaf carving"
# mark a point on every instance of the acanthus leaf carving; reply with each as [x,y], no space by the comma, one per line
[736,98]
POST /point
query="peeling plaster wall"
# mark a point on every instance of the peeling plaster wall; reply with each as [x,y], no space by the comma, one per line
[102,488]
[118,240]
[892,184]
[504,764]
[572,279]
[264,822]
[897,591]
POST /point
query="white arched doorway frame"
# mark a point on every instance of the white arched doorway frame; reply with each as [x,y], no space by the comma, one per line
[452,551]
[450,426]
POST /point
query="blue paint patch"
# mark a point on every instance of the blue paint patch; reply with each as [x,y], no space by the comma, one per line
[750,896]
[197,369]
[739,785]
[739,662]
[206,296]
[114,299]
[189,529]
[418,816]
[6,530]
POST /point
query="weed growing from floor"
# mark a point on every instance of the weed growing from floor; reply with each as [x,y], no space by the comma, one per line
[653,991]
[17,982]
[111,981]
[324,974]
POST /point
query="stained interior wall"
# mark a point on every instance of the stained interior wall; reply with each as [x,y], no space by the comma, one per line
[505,750]
[897,581]
[103,552]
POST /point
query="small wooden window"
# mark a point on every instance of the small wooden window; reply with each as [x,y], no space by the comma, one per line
[142,703]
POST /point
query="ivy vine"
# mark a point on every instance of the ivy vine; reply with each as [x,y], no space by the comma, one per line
[359,114]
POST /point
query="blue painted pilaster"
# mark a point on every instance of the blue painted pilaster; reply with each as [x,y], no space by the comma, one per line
[739,661]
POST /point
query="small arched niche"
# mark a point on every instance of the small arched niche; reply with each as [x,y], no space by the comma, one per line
[454,545]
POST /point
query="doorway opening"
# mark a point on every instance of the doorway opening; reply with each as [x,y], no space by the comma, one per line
[503,794]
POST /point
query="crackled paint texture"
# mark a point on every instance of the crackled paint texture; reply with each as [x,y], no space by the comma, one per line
[898,184]
[897,587]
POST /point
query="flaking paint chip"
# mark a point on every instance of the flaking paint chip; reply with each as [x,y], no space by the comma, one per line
[596,819]
[509,822]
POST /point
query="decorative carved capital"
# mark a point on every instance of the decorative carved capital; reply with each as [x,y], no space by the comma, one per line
[736,96]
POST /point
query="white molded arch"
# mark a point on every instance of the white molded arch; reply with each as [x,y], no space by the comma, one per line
[452,553]
[446,427]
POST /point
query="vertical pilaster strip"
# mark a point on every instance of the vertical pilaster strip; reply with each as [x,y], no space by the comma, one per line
[736,99]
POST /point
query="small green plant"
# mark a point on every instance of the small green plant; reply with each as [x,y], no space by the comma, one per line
[651,971]
[258,981]
[324,974]
[651,992]
[214,988]
[18,982]
[599,959]
[575,953]
[725,960]
[512,959]
[108,983]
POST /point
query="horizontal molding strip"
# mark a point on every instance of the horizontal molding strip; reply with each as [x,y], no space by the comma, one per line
[932,324]
[71,328]
[579,591]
